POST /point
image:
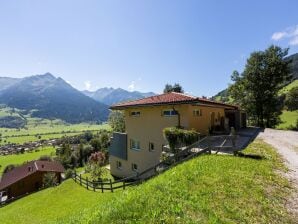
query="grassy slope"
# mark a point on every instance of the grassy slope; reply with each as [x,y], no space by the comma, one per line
[289,87]
[208,189]
[21,158]
[288,118]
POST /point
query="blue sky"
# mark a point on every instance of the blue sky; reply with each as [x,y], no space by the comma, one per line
[141,45]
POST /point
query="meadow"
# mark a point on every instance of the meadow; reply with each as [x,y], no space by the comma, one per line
[38,129]
[206,189]
[288,119]
[18,159]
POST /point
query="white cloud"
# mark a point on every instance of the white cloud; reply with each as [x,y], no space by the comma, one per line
[290,33]
[294,41]
[87,85]
[278,35]
[132,86]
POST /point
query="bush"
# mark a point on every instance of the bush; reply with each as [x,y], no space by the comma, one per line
[49,180]
[46,158]
[9,168]
[179,137]
[68,173]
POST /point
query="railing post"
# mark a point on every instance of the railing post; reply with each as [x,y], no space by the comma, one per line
[81,179]
[111,186]
[87,183]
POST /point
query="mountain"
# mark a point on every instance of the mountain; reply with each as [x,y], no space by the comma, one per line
[50,97]
[111,96]
[224,94]
[293,65]
[6,82]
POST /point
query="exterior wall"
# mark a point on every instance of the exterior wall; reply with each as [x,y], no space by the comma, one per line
[148,127]
[29,184]
[202,124]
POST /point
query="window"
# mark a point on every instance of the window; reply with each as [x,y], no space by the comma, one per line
[135,113]
[134,144]
[168,113]
[151,146]
[197,112]
[119,165]
[134,167]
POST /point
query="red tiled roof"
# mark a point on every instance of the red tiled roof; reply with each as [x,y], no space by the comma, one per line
[28,169]
[168,98]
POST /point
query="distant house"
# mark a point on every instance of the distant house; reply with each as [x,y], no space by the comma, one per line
[28,177]
[141,145]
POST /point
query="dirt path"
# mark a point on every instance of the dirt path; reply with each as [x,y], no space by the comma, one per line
[286,143]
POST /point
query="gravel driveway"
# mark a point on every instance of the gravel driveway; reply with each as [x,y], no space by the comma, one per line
[286,143]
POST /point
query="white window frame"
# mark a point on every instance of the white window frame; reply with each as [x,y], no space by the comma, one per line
[171,114]
[197,112]
[135,113]
[150,149]
[135,145]
[119,165]
[133,167]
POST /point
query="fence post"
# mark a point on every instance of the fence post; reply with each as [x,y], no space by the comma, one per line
[93,186]
[111,186]
[87,183]
[123,185]
[75,176]
[81,179]
[101,184]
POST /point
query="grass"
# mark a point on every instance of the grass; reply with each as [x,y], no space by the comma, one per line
[288,118]
[207,189]
[287,88]
[21,158]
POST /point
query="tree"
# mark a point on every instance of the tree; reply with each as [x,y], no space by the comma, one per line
[96,144]
[49,180]
[9,168]
[256,89]
[175,88]
[116,120]
[291,100]
[95,165]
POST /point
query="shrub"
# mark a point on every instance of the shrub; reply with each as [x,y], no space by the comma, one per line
[9,168]
[68,173]
[179,137]
[45,158]
[49,180]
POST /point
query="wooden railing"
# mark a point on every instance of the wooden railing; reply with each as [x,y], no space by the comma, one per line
[111,186]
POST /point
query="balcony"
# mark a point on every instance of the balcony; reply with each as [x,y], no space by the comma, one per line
[118,147]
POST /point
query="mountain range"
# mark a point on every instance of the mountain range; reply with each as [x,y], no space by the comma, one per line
[46,96]
[111,96]
[49,97]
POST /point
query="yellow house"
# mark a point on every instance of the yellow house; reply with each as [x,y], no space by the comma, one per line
[140,147]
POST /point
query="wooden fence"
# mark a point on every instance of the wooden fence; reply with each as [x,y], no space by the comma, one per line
[110,186]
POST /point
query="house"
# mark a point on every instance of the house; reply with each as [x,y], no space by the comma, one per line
[28,178]
[140,147]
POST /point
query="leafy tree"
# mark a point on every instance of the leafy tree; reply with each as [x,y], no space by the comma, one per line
[116,120]
[95,165]
[9,168]
[173,88]
[96,144]
[256,89]
[291,100]
[45,158]
[49,180]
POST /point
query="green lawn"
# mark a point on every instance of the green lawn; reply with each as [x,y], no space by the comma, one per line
[289,87]
[207,189]
[288,118]
[21,158]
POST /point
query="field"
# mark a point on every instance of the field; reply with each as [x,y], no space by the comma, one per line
[288,118]
[287,88]
[21,158]
[46,129]
[207,189]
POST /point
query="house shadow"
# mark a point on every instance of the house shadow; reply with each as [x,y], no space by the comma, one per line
[250,156]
